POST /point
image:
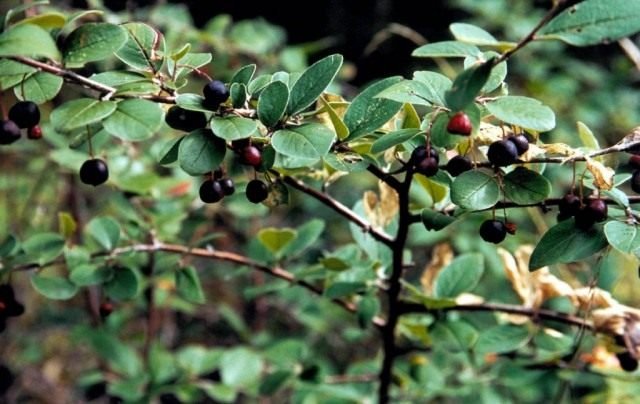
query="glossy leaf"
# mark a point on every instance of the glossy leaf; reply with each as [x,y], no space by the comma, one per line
[460,276]
[28,40]
[122,358]
[622,236]
[123,284]
[475,190]
[388,140]
[134,120]
[143,47]
[564,243]
[409,91]
[91,42]
[312,83]
[188,285]
[233,127]
[336,120]
[80,113]
[467,86]
[188,63]
[367,112]
[105,230]
[238,95]
[53,287]
[594,21]
[169,153]
[446,49]
[39,88]
[272,103]
[525,187]
[200,152]
[311,141]
[525,112]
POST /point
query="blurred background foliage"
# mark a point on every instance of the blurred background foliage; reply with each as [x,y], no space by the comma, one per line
[307,344]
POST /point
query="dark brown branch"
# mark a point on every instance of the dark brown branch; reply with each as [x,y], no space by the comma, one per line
[385,177]
[327,200]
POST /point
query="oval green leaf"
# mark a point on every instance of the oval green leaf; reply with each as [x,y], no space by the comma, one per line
[134,120]
[233,127]
[308,141]
[622,236]
[193,102]
[123,284]
[276,239]
[446,49]
[44,247]
[39,88]
[461,275]
[105,231]
[143,47]
[91,42]
[201,152]
[312,83]
[28,40]
[188,285]
[81,112]
[525,112]
[502,338]
[53,287]
[394,138]
[526,187]
[475,190]
[467,85]
[273,103]
[472,34]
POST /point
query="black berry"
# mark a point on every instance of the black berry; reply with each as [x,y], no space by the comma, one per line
[25,114]
[460,124]
[502,153]
[428,166]
[569,205]
[252,156]
[184,119]
[598,210]
[211,191]
[6,379]
[634,161]
[215,93]
[9,132]
[627,362]
[635,181]
[493,231]
[584,219]
[94,172]
[458,164]
[521,142]
[228,187]
[95,391]
[257,191]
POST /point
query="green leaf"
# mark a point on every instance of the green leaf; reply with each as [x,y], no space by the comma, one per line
[498,72]
[105,230]
[434,220]
[240,367]
[244,74]
[475,190]
[180,53]
[594,21]
[39,88]
[162,364]
[169,153]
[142,48]
[467,85]
[525,112]
[312,83]
[188,285]
[444,49]
[80,113]
[118,78]
[472,34]
[307,235]
[502,338]
[564,243]
[274,382]
[47,21]
[407,91]
[28,40]
[200,152]
[394,138]
[238,95]
[310,141]
[44,246]
[622,236]
[233,127]
[53,287]
[437,85]
[134,120]
[341,289]
[275,240]
[87,274]
[193,102]
[336,120]
[526,187]
[273,103]
[123,284]
[197,360]
[91,42]
[461,275]
[455,335]
[368,307]
[587,137]
[367,112]
[219,392]
[188,63]
[122,358]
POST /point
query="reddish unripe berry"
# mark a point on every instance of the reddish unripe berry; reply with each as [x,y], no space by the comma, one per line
[510,227]
[106,308]
[252,156]
[460,124]
[35,133]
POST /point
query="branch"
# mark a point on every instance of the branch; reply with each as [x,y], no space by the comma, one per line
[556,316]
[367,227]
[383,176]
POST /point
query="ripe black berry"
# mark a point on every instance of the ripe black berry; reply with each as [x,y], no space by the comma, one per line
[9,132]
[184,119]
[521,142]
[211,191]
[598,209]
[635,181]
[458,164]
[257,191]
[6,379]
[502,153]
[94,172]
[34,133]
[493,231]
[460,124]
[228,187]
[251,155]
[95,391]
[627,362]
[25,114]
[584,219]
[569,205]
[634,161]
[428,166]
[215,93]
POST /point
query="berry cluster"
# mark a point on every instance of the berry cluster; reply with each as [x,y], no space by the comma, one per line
[586,212]
[214,189]
[424,160]
[505,152]
[9,306]
[22,115]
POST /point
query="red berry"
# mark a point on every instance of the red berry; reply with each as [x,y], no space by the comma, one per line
[510,227]
[460,124]
[34,133]
[252,156]
[106,308]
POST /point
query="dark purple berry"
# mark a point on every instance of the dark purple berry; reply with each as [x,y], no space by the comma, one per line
[502,153]
[635,181]
[257,191]
[521,142]
[493,231]
[428,166]
[9,132]
[251,155]
[634,161]
[6,379]
[106,308]
[25,114]
[598,209]
[228,187]
[627,362]
[211,191]
[184,119]
[458,164]
[569,205]
[215,93]
[460,124]
[94,172]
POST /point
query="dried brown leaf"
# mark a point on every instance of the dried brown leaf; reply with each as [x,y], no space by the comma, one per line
[602,175]
[441,256]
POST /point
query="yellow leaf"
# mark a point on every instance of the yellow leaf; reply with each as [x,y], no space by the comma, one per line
[66,225]
[602,175]
[411,118]
[380,211]
[336,120]
[441,256]
[560,149]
